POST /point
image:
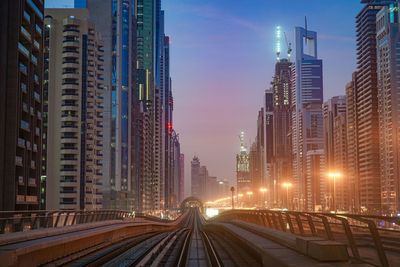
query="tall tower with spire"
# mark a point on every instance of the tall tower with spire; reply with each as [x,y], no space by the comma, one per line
[242,167]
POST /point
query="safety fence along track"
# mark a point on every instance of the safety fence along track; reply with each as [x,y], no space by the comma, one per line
[369,238]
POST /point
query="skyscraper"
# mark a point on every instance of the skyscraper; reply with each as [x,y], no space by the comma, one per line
[267,147]
[367,107]
[388,57]
[182,180]
[243,168]
[282,156]
[195,172]
[352,144]
[147,12]
[175,182]
[115,20]
[315,180]
[307,117]
[21,72]
[335,137]
[75,111]
[258,151]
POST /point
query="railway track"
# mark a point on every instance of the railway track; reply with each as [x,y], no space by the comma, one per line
[190,244]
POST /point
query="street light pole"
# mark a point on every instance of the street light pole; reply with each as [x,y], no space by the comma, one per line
[232,190]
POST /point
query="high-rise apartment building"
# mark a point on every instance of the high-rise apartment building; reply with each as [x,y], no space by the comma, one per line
[116,22]
[255,163]
[352,144]
[307,117]
[195,172]
[388,58]
[165,110]
[367,107]
[21,58]
[75,111]
[258,161]
[282,156]
[265,139]
[243,178]
[181,195]
[203,176]
[335,137]
[175,183]
[147,60]
[315,180]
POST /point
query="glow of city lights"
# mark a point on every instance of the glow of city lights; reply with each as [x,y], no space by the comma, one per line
[240,195]
[249,193]
[210,212]
[263,190]
[287,184]
[332,174]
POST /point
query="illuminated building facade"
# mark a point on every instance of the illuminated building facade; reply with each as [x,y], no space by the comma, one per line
[147,71]
[75,111]
[306,106]
[115,20]
[21,57]
[257,162]
[367,108]
[181,195]
[352,145]
[196,185]
[281,145]
[388,56]
[315,180]
[335,137]
[243,168]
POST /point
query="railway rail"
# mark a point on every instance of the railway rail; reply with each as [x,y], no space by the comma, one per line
[190,244]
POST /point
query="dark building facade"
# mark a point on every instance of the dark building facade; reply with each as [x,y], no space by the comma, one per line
[367,107]
[21,75]
[281,161]
[352,145]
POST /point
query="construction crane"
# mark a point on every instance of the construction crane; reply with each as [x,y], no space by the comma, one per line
[289,47]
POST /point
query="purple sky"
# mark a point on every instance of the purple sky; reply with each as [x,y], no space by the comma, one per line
[222,60]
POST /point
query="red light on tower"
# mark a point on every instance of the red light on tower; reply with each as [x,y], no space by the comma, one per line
[169,125]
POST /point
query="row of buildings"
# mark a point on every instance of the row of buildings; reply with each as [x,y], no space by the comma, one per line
[341,154]
[204,186]
[87,112]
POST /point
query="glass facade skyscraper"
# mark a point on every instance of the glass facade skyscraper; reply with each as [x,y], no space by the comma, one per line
[115,19]
[307,117]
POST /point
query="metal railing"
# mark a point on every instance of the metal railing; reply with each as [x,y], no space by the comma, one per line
[359,232]
[21,221]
